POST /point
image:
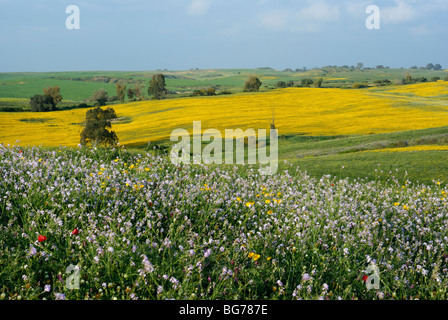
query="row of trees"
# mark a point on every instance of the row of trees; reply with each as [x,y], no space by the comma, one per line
[157,89]
[429,66]
[409,79]
[308,82]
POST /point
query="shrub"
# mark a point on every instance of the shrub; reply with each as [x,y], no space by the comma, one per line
[280,84]
[54,94]
[307,82]
[100,97]
[383,82]
[41,103]
[211,91]
[252,84]
[357,85]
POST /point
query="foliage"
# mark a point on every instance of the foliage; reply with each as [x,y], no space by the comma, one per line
[121,91]
[131,94]
[252,84]
[54,94]
[157,86]
[98,121]
[100,97]
[41,103]
[204,92]
[281,84]
[383,82]
[307,82]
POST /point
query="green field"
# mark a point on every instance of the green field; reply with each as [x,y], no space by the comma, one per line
[79,86]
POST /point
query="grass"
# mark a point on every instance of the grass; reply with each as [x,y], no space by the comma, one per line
[77,86]
[138,227]
[360,182]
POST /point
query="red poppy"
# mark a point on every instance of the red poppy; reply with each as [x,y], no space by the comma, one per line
[75,231]
[41,238]
[364,278]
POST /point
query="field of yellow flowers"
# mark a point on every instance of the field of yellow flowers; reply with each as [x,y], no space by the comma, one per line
[308,111]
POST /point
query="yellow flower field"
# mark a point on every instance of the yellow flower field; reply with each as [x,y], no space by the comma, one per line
[310,111]
[433,89]
[412,148]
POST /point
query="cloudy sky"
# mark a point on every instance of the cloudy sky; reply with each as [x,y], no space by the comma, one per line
[183,34]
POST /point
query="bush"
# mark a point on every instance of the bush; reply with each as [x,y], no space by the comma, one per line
[307,82]
[280,84]
[252,84]
[290,83]
[100,97]
[42,103]
[200,92]
[211,91]
[357,85]
[383,82]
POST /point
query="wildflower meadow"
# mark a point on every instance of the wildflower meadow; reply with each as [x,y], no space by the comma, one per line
[107,224]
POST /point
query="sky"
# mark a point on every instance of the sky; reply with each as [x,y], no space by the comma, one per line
[133,35]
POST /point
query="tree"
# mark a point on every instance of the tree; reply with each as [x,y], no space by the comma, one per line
[41,103]
[252,84]
[429,66]
[318,83]
[359,65]
[98,121]
[131,94]
[138,92]
[437,67]
[157,86]
[211,91]
[407,78]
[307,82]
[281,84]
[54,94]
[289,83]
[121,91]
[100,97]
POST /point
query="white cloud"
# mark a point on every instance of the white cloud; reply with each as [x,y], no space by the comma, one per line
[307,20]
[320,12]
[402,12]
[198,7]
